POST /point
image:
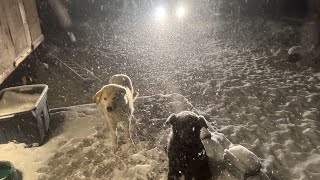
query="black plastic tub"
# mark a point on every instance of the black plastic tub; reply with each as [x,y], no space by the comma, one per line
[24,115]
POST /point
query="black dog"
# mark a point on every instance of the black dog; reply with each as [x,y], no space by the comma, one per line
[185,151]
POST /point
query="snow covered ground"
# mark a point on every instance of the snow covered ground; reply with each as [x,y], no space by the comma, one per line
[253,95]
[79,148]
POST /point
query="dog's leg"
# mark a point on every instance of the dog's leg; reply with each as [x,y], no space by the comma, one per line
[134,145]
[112,124]
[127,133]
[173,173]
[188,176]
[113,134]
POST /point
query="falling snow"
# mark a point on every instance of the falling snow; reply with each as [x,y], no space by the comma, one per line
[233,71]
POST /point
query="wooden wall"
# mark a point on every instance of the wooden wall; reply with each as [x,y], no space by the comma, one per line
[20,33]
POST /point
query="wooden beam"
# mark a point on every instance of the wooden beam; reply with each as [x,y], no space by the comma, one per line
[32,19]
[25,23]
[16,26]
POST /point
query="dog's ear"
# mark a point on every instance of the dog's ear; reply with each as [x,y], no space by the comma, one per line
[171,119]
[135,95]
[205,133]
[97,97]
[203,122]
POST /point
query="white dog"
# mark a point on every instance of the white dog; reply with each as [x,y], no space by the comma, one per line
[116,102]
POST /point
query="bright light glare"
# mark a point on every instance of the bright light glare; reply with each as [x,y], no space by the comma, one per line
[180,12]
[160,13]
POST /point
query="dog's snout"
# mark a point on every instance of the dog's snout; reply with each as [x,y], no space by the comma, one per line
[109,108]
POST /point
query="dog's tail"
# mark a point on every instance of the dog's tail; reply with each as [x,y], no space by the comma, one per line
[135,95]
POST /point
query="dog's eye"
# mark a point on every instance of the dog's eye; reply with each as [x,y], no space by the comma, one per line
[105,98]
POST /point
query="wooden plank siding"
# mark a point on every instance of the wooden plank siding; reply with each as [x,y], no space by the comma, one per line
[16,25]
[33,20]
[20,33]
[7,50]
